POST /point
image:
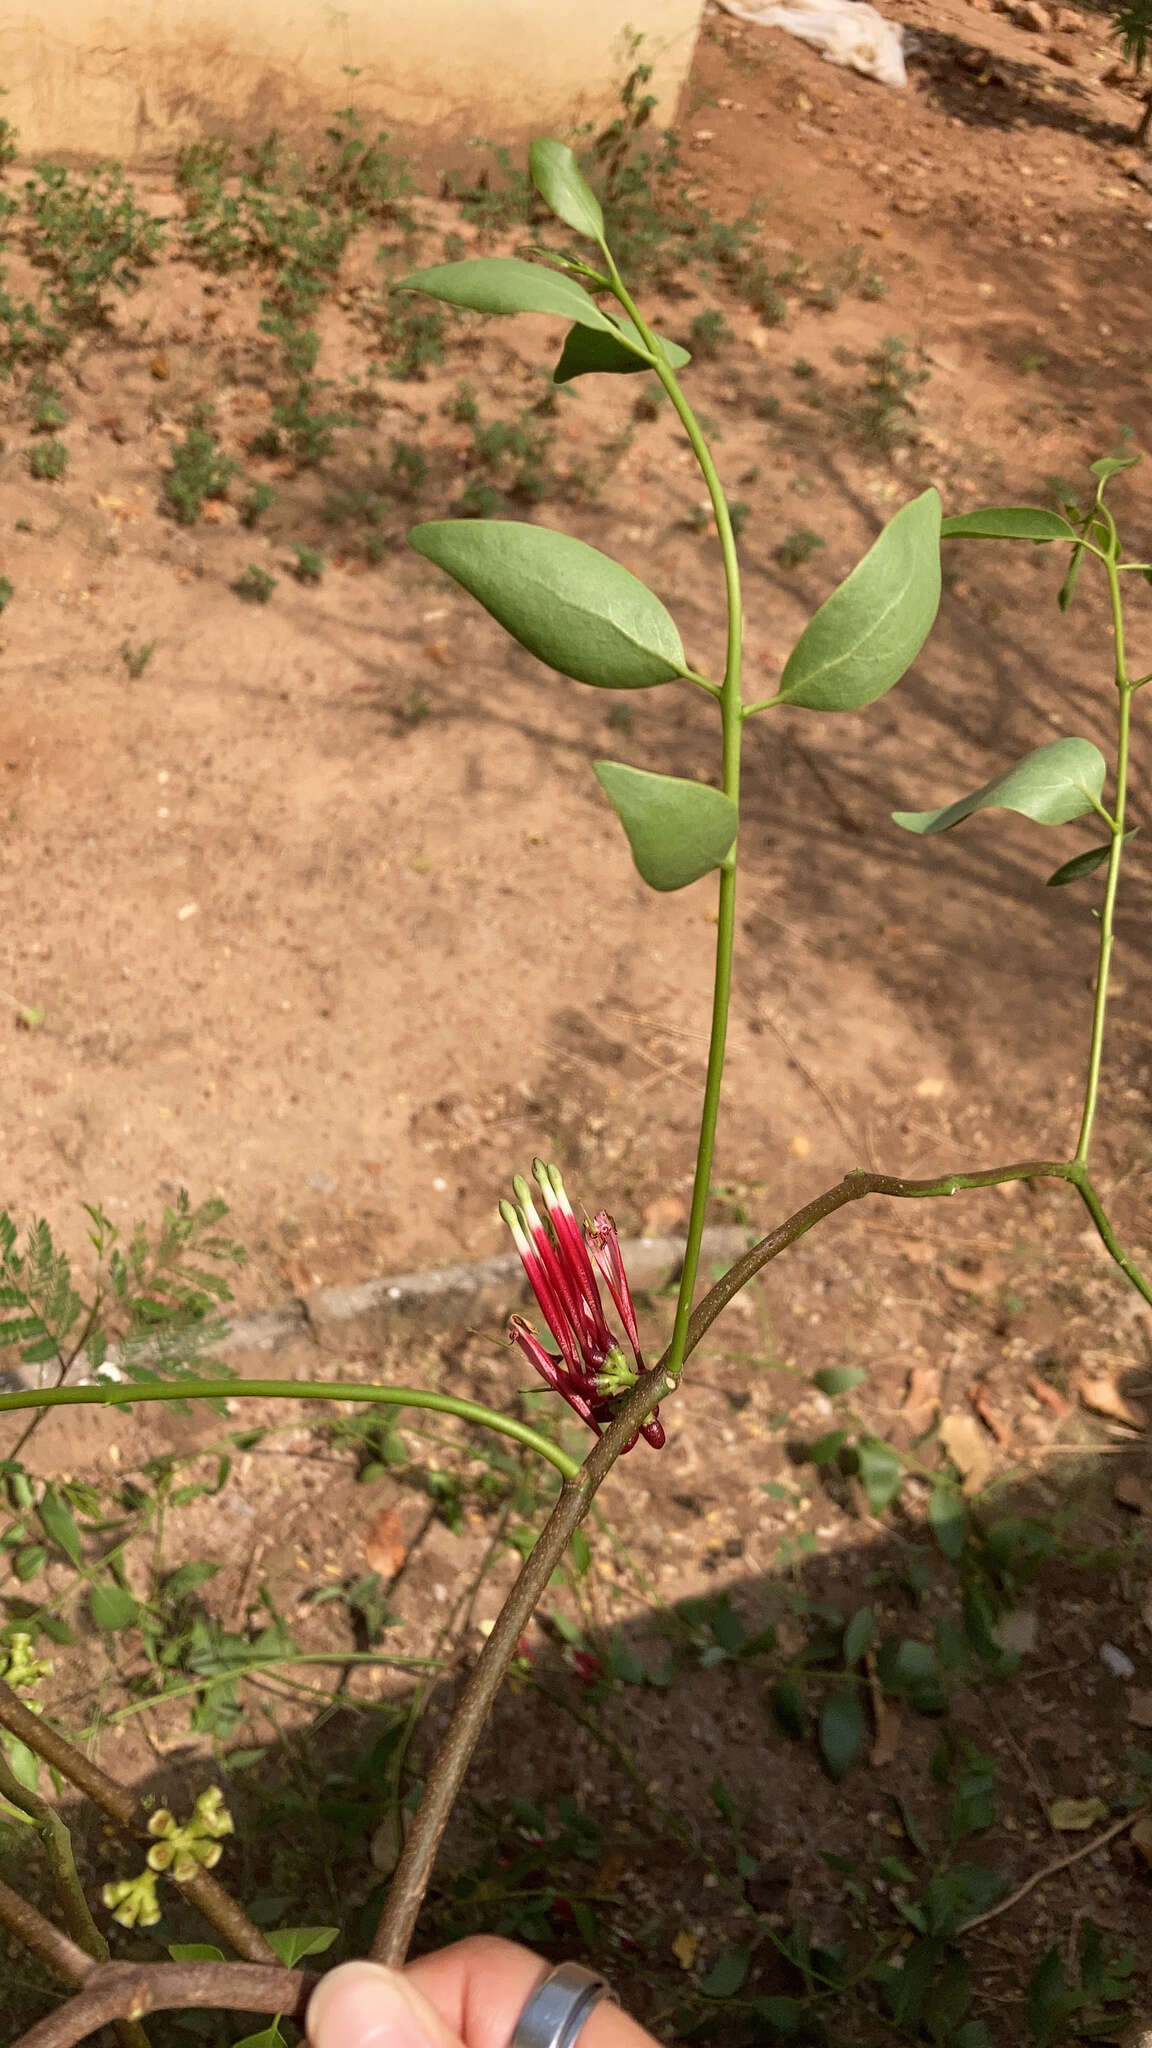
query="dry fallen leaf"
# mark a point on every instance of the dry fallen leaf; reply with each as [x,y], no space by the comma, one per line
[1076,1816]
[886,1745]
[1017,1631]
[663,1216]
[684,1948]
[1130,1491]
[1101,1393]
[384,1545]
[968,1447]
[1140,1709]
[1141,1835]
[978,1395]
[1050,1396]
[984,1276]
[922,1398]
[160,366]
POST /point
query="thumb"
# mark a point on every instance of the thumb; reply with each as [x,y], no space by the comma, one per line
[364,2005]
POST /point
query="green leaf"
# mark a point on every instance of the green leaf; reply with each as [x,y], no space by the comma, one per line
[678,831]
[1082,864]
[195,1952]
[784,2015]
[1054,785]
[59,1525]
[291,1943]
[838,1379]
[859,1635]
[621,353]
[871,629]
[268,2037]
[562,186]
[949,1519]
[29,1561]
[1111,465]
[112,1607]
[24,1762]
[881,1473]
[506,284]
[727,1975]
[1007,522]
[825,1448]
[841,1730]
[787,1700]
[1050,2001]
[568,604]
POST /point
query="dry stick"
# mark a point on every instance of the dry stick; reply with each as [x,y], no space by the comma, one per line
[414,1870]
[203,1890]
[129,1990]
[57,1842]
[59,1951]
[1053,1870]
[410,1882]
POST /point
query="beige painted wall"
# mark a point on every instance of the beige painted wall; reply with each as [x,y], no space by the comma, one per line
[133,79]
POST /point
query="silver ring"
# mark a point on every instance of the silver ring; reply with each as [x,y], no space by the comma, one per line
[556,2012]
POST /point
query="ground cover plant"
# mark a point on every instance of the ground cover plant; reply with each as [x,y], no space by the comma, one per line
[898,1958]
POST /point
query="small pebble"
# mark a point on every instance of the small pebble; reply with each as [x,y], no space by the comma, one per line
[1118,1664]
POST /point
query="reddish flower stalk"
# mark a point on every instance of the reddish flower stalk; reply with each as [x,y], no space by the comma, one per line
[561,1262]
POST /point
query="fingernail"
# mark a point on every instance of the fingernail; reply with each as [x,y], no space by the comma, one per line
[363,2005]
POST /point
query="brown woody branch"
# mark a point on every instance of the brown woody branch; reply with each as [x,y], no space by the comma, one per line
[203,1890]
[129,1991]
[63,1956]
[414,1870]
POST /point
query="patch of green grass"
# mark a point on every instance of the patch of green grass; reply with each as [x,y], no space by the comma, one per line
[136,659]
[309,565]
[884,415]
[90,232]
[48,461]
[708,334]
[257,500]
[411,337]
[46,407]
[199,471]
[254,585]
[797,548]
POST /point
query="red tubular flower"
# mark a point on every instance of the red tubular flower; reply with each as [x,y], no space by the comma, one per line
[591,1371]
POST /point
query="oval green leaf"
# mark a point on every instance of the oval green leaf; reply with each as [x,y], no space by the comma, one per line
[506,284]
[949,1519]
[1082,864]
[112,1607]
[859,1635]
[562,186]
[565,602]
[1057,783]
[881,1473]
[787,1700]
[869,632]
[841,1730]
[195,1952]
[727,1975]
[58,1524]
[1007,522]
[678,831]
[621,354]
[1111,465]
[838,1379]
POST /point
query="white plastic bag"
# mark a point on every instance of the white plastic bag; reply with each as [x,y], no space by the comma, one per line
[847,31]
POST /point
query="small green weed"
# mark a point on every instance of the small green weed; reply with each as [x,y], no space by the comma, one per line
[797,548]
[257,500]
[499,196]
[708,334]
[7,592]
[411,337]
[198,471]
[48,460]
[365,177]
[91,234]
[47,409]
[309,565]
[884,414]
[136,659]
[254,585]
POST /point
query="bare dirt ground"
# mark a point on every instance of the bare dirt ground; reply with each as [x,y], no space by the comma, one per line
[326,915]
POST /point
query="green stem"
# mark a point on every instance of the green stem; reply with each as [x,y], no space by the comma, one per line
[122,1394]
[731,717]
[1116,855]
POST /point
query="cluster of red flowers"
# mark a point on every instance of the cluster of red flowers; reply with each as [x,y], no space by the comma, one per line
[562,1262]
